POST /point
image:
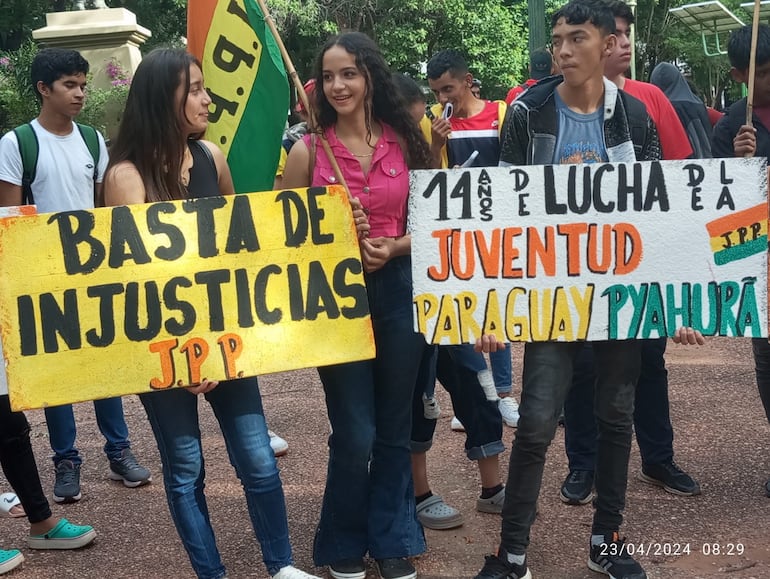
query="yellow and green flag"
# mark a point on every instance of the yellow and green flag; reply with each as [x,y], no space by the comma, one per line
[246,79]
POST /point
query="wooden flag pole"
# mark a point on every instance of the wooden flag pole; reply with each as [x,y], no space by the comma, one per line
[302,94]
[752,62]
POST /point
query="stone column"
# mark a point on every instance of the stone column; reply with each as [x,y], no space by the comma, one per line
[99,35]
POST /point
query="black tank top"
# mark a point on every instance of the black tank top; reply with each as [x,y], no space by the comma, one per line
[203,173]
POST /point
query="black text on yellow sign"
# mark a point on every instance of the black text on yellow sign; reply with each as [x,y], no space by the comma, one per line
[202,288]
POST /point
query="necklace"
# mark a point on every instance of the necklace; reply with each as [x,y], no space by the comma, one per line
[363,156]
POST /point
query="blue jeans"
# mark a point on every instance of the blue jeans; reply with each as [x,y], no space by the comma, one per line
[502,369]
[652,421]
[457,368]
[62,430]
[237,405]
[469,358]
[547,379]
[368,505]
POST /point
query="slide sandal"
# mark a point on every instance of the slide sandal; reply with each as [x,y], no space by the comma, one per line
[10,506]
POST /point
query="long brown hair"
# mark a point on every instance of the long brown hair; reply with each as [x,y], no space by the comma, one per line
[151,134]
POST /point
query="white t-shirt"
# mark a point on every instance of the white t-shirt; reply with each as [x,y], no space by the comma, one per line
[64,180]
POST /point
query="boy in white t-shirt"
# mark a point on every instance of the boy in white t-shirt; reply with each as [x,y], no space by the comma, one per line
[68,176]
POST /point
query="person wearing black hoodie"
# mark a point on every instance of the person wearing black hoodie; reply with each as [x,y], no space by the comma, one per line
[689,108]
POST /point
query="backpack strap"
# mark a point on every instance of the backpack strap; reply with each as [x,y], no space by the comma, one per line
[92,142]
[637,125]
[28,149]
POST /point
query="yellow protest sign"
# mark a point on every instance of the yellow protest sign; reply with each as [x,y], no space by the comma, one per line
[123,300]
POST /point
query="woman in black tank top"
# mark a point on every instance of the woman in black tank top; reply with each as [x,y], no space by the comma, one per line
[203,173]
[158,157]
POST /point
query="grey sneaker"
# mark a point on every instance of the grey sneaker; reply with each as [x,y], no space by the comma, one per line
[66,487]
[127,469]
[431,408]
[493,504]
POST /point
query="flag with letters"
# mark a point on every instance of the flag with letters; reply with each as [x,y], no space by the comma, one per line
[245,77]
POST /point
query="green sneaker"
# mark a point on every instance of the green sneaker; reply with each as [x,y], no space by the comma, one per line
[10,560]
[64,535]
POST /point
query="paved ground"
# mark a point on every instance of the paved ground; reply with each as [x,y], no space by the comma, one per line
[721,438]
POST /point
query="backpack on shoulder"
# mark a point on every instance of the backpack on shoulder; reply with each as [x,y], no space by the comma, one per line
[637,124]
[29,149]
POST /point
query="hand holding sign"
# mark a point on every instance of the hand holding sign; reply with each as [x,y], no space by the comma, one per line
[360,218]
[204,387]
[376,252]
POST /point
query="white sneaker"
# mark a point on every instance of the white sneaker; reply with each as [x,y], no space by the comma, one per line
[290,572]
[279,446]
[509,410]
[456,425]
[431,408]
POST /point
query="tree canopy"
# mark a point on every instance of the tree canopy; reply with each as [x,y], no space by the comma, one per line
[492,33]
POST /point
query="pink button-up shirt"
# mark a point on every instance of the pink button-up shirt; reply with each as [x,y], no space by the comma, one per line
[383,191]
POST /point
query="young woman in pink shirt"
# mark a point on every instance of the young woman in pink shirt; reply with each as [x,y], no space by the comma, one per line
[368,506]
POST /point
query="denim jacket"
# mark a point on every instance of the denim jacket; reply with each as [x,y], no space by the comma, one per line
[531,127]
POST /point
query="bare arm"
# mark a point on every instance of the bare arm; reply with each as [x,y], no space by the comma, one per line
[10,194]
[123,185]
[295,174]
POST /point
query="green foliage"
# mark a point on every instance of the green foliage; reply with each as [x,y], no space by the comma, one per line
[167,19]
[18,103]
[493,33]
[486,31]
[490,32]
[104,107]
[661,37]
[18,18]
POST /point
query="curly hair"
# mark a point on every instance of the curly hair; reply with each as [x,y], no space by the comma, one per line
[387,104]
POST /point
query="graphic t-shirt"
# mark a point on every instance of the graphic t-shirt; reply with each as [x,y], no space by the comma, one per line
[581,137]
[477,133]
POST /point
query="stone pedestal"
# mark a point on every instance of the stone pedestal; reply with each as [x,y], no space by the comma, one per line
[99,35]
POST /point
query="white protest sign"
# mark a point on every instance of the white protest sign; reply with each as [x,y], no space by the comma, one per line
[590,252]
